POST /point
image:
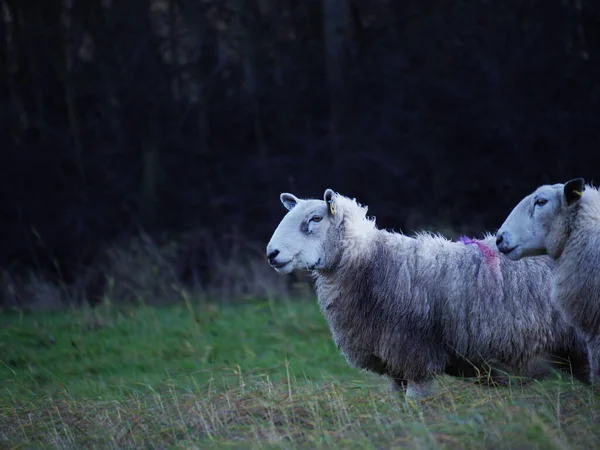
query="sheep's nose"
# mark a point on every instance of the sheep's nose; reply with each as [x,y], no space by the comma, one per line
[499,239]
[272,255]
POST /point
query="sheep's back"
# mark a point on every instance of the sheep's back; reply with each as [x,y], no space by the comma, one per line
[408,300]
[488,306]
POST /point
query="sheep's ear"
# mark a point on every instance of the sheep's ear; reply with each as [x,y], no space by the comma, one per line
[329,198]
[288,200]
[573,190]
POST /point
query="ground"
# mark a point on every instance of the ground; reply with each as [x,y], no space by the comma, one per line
[263,374]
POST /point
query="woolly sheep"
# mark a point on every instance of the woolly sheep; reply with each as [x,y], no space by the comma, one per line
[563,221]
[411,308]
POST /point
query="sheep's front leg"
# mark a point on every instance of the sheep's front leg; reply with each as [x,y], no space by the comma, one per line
[416,390]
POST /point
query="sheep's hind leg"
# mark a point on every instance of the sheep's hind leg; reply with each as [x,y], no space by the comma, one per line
[398,385]
[593,346]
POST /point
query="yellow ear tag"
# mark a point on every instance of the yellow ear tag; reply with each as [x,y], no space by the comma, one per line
[579,193]
[331,206]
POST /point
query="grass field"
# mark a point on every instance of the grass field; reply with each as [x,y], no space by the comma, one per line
[263,374]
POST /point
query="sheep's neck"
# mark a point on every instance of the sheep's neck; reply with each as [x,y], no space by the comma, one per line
[582,229]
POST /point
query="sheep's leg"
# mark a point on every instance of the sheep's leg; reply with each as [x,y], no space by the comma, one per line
[593,347]
[398,385]
[418,389]
[575,363]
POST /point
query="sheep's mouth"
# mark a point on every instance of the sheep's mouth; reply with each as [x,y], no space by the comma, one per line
[509,251]
[315,265]
[280,265]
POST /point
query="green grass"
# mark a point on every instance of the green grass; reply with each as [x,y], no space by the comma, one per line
[260,375]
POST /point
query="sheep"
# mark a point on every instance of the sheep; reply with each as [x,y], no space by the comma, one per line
[563,221]
[414,307]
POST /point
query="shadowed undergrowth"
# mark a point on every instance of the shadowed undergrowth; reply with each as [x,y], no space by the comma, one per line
[263,374]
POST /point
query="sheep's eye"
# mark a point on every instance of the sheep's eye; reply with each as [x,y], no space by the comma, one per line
[316,218]
[540,202]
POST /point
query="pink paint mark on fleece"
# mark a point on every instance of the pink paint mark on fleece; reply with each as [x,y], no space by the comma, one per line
[490,255]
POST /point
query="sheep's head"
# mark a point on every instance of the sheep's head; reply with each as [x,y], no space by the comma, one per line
[536,226]
[306,236]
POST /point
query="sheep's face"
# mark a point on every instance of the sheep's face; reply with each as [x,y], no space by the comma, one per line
[304,238]
[536,225]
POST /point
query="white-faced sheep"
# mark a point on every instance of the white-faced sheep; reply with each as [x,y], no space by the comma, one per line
[411,308]
[563,221]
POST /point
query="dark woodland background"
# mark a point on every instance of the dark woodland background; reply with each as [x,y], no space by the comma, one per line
[150,139]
